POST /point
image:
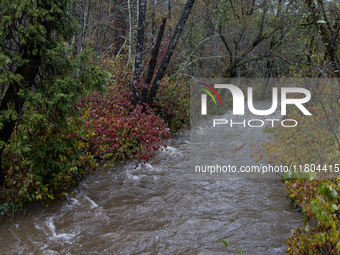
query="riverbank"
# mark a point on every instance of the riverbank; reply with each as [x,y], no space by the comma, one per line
[312,147]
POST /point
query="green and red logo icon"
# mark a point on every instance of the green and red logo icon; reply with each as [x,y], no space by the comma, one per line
[209,93]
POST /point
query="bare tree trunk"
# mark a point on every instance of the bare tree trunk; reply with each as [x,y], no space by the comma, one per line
[155,51]
[153,60]
[87,23]
[139,50]
[153,18]
[130,30]
[119,25]
[82,42]
[169,52]
[137,10]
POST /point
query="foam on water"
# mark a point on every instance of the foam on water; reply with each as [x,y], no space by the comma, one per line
[144,166]
[131,178]
[50,252]
[92,203]
[50,225]
[173,152]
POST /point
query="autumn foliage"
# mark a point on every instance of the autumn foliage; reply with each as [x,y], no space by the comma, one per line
[312,145]
[104,127]
[114,130]
[319,201]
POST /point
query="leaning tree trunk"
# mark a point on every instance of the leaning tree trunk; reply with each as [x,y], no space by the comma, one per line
[153,60]
[166,60]
[139,51]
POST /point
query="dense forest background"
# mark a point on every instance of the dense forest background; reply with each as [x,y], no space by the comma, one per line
[91,82]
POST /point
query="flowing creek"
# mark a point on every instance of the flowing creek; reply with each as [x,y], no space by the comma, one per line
[163,207]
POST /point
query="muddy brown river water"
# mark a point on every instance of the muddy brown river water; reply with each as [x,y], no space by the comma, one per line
[163,207]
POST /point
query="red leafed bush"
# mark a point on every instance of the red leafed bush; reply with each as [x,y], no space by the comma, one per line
[115,130]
